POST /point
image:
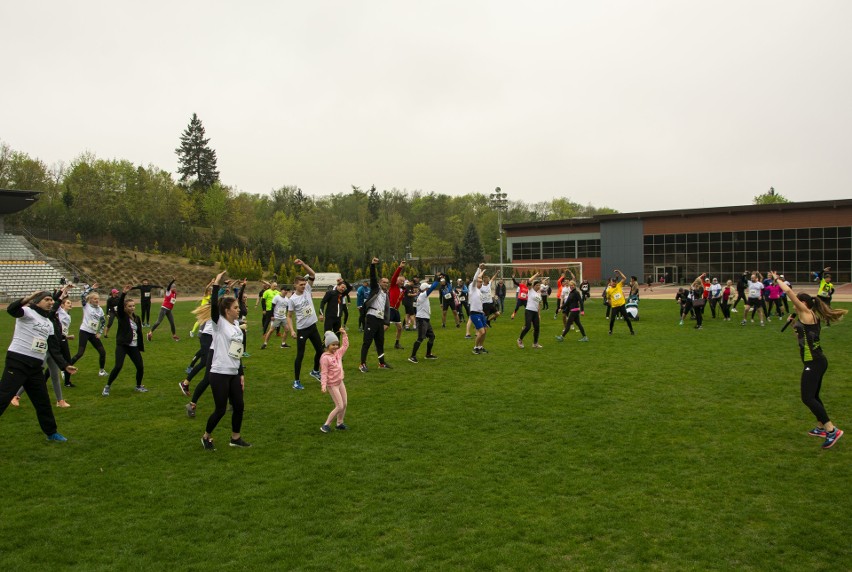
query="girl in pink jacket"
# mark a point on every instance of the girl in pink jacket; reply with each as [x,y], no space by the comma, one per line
[331,377]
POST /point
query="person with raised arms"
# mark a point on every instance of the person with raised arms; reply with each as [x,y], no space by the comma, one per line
[476,311]
[532,314]
[378,318]
[301,306]
[571,310]
[91,328]
[145,288]
[166,311]
[615,297]
[331,371]
[227,379]
[333,305]
[128,342]
[423,320]
[279,318]
[32,340]
[810,311]
[395,294]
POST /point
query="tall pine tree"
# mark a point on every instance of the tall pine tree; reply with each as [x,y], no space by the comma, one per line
[470,250]
[196,160]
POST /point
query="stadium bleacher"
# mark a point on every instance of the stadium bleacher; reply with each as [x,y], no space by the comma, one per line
[23,269]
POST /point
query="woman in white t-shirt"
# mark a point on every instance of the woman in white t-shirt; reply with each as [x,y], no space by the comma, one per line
[90,330]
[32,340]
[226,377]
[531,315]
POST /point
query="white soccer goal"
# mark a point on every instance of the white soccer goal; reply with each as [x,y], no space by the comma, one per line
[546,269]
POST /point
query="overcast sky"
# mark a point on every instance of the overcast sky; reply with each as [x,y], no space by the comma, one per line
[635,105]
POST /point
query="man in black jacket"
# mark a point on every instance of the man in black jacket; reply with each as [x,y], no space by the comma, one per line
[377,319]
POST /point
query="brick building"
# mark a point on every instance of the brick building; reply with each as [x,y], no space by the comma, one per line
[792,238]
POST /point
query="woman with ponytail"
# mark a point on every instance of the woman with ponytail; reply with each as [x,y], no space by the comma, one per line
[811,311]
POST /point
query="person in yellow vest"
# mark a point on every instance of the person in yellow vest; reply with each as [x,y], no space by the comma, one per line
[615,297]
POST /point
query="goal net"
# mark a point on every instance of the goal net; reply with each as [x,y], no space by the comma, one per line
[544,270]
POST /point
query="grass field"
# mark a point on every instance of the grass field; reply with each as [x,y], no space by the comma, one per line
[675,449]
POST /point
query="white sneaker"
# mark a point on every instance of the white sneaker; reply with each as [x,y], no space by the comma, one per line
[103,373]
[733,310]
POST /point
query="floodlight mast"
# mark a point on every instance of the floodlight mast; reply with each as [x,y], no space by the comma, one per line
[500,203]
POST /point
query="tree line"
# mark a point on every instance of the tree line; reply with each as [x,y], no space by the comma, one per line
[113,202]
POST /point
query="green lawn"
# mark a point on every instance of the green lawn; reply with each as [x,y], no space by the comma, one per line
[675,449]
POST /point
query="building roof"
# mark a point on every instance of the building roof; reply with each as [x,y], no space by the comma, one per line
[744,209]
[15,201]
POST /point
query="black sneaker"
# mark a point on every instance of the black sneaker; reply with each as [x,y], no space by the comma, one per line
[483,351]
[239,443]
[476,351]
[398,347]
[342,427]
[207,444]
[431,356]
[69,384]
[412,359]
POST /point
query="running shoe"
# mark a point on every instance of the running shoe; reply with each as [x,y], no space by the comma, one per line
[62,403]
[184,388]
[431,356]
[396,346]
[476,351]
[363,368]
[743,323]
[341,427]
[69,384]
[537,346]
[817,432]
[315,374]
[733,310]
[105,392]
[413,359]
[263,347]
[239,442]
[520,343]
[246,354]
[190,410]
[468,337]
[385,366]
[298,385]
[483,351]
[207,444]
[832,438]
[58,437]
[560,339]
[175,338]
[141,389]
[680,323]
[584,339]
[284,345]
[102,373]
[325,429]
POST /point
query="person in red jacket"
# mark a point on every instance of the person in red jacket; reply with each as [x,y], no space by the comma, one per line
[166,310]
[396,292]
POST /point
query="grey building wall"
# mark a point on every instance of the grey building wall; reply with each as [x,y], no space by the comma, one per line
[622,247]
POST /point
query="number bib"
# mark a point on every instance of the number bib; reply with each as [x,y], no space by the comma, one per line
[147,294]
[39,345]
[235,350]
[616,296]
[447,296]
[380,314]
[134,339]
[94,325]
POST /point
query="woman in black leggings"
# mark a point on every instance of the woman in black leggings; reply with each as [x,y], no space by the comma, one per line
[128,342]
[810,311]
[532,312]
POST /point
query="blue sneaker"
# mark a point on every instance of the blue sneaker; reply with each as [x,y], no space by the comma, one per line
[325,429]
[560,339]
[342,427]
[298,385]
[830,438]
[817,432]
[315,374]
[61,439]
